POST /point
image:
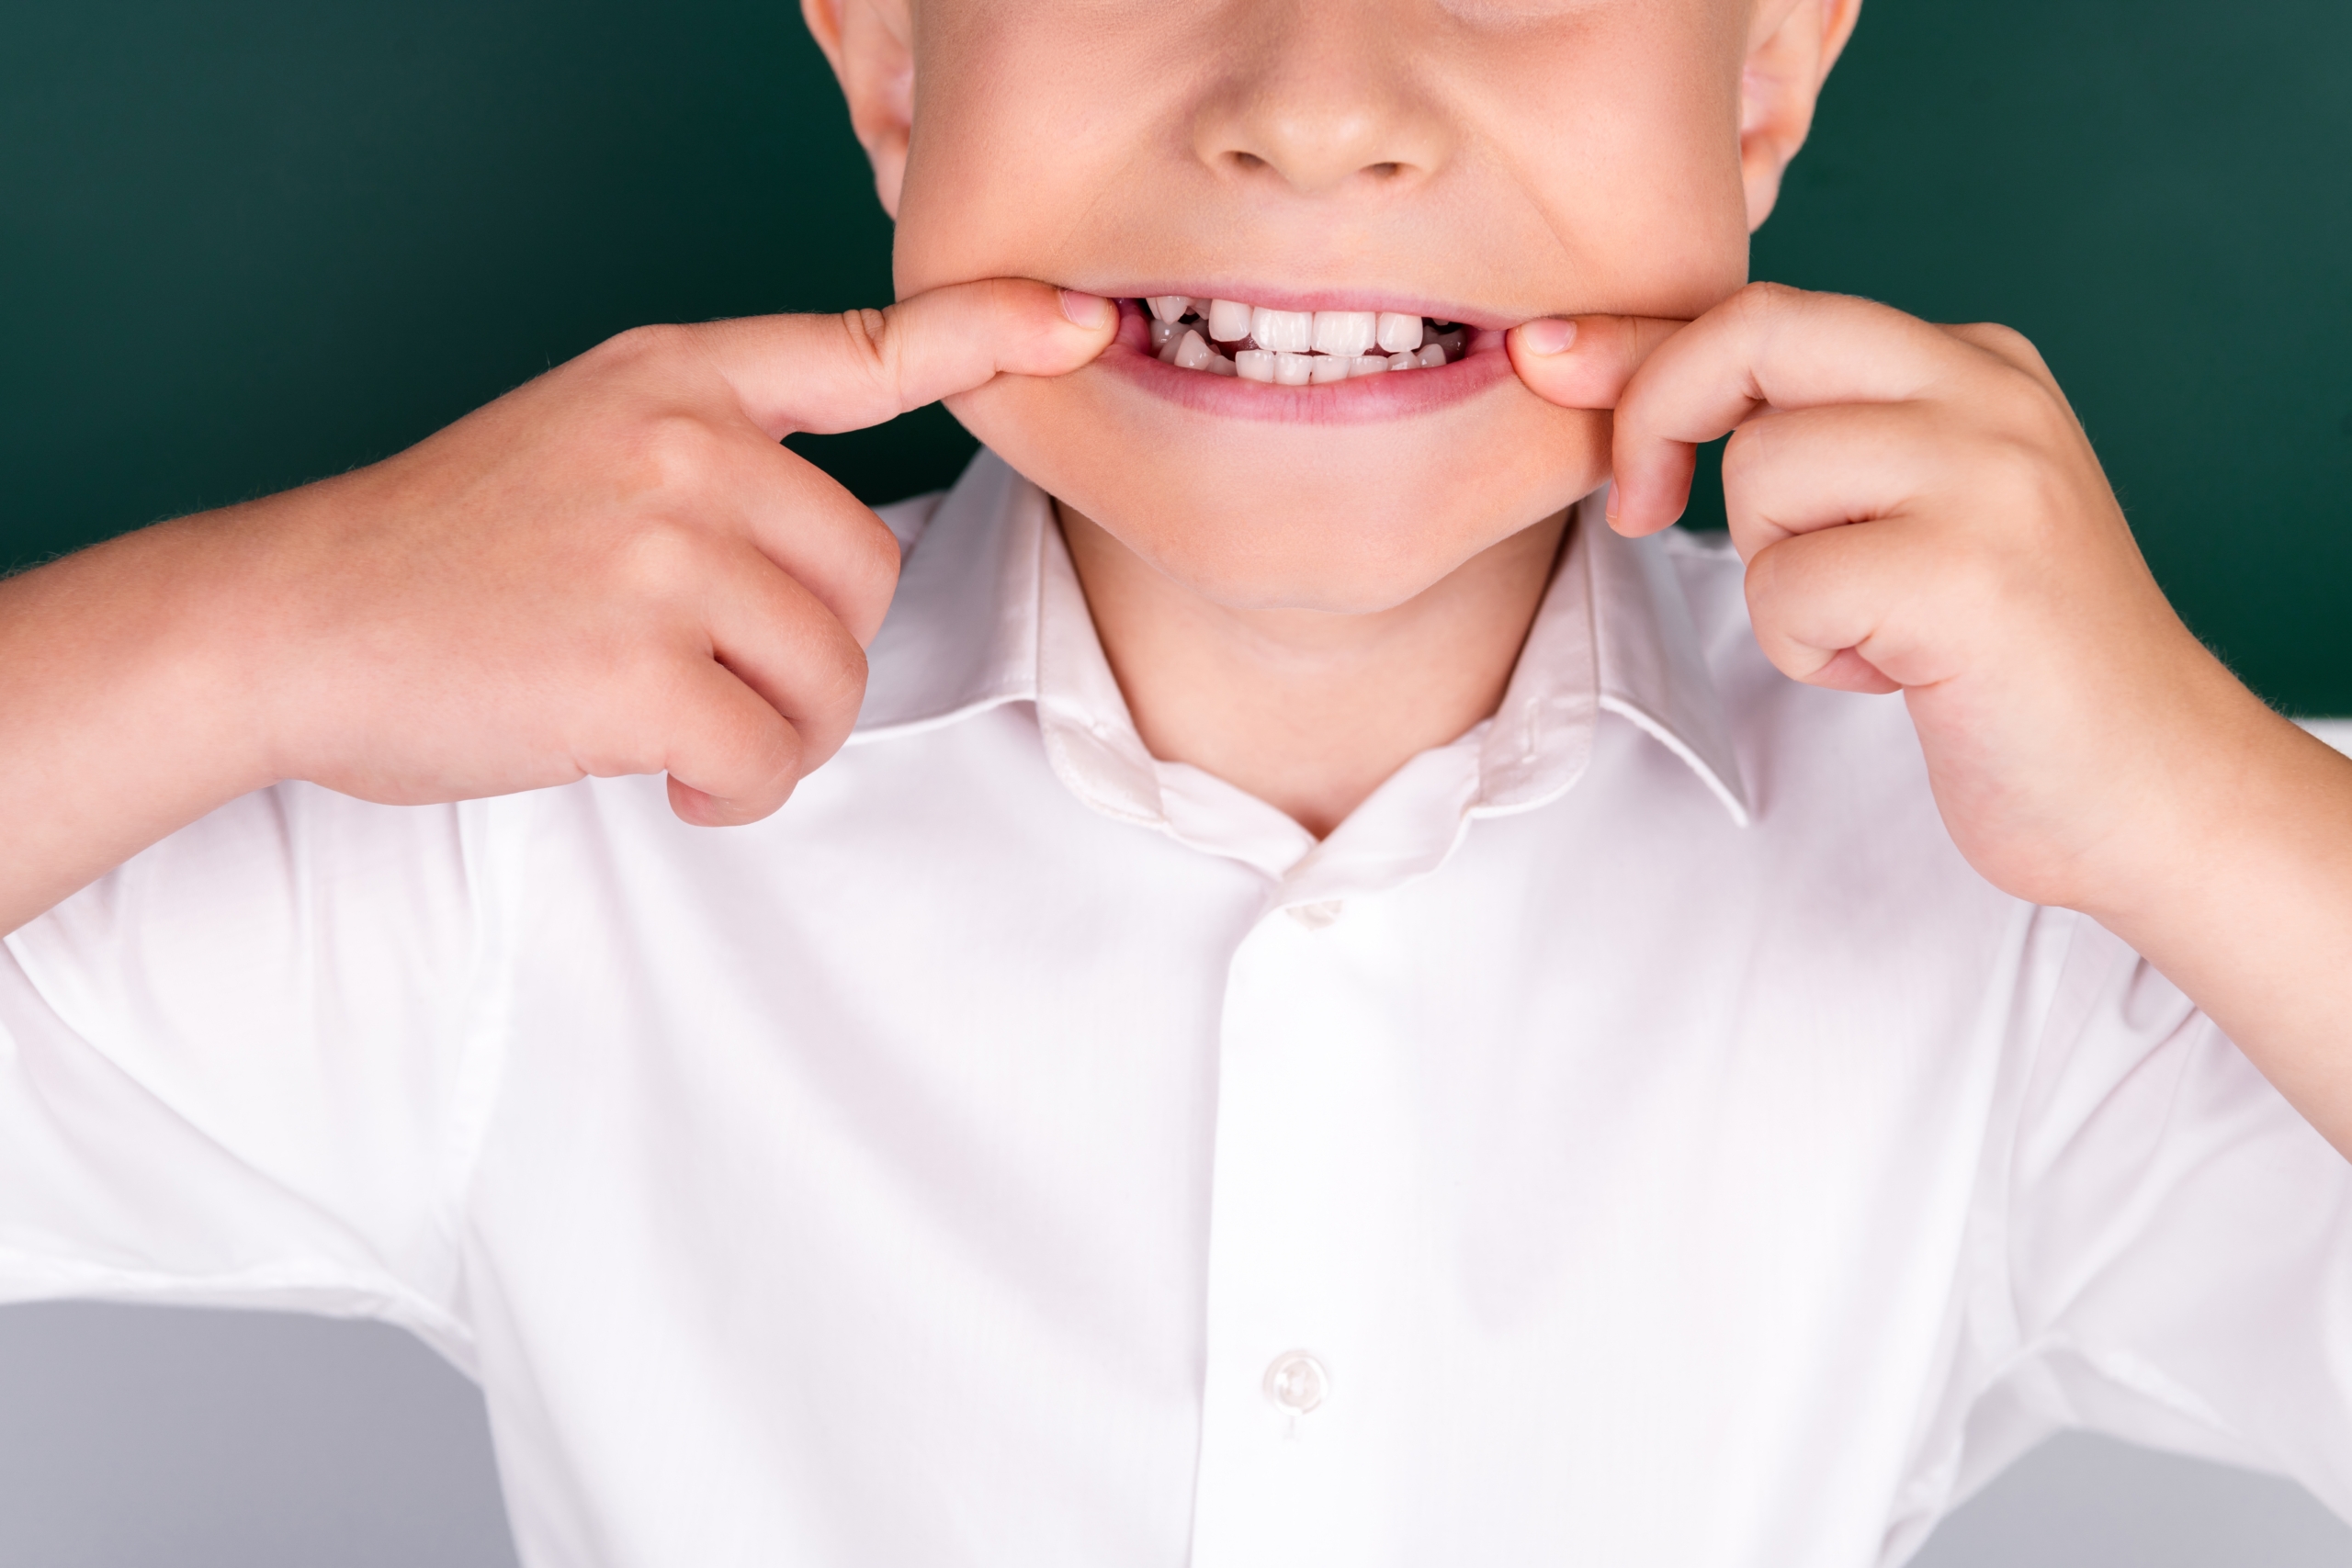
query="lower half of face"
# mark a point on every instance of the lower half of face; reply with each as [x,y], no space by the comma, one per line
[1319,219]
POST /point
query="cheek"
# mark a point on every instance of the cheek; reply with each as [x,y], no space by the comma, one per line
[1027,131]
[1358,519]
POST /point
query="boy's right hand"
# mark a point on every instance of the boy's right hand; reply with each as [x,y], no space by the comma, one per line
[614,568]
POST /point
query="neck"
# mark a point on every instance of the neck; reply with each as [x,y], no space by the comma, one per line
[1306,710]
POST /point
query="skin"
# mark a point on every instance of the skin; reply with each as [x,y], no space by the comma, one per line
[616,569]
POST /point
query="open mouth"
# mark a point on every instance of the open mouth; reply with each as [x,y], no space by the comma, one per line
[1296,348]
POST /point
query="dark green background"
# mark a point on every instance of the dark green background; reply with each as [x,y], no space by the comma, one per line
[249,243]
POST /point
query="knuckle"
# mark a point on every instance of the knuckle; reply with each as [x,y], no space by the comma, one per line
[872,343]
[874,571]
[676,454]
[2005,342]
[837,678]
[654,344]
[1766,581]
[661,558]
[2025,489]
[1764,302]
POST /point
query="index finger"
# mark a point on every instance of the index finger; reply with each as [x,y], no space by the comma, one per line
[826,374]
[1584,362]
[1766,345]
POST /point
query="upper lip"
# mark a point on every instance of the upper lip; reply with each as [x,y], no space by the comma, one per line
[1273,297]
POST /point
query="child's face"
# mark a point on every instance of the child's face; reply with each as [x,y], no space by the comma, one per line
[1472,161]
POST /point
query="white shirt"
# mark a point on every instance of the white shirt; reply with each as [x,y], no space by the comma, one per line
[1634,1136]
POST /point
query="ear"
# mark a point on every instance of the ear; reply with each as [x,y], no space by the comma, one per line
[870,45]
[1791,47]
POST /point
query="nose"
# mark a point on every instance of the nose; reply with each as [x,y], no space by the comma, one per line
[1325,99]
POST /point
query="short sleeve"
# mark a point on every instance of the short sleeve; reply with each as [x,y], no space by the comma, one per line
[241,1070]
[2180,1238]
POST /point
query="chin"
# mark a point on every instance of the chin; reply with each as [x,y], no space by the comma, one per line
[1349,498]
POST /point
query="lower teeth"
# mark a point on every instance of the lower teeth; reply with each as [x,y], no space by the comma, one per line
[1182,335]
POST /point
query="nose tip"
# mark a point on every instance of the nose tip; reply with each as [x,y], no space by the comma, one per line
[1312,149]
[1322,111]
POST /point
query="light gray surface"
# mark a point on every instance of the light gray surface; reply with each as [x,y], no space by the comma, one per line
[139,1439]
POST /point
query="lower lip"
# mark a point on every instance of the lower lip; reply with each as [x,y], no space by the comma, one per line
[1359,399]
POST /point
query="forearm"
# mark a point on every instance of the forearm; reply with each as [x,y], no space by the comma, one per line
[124,711]
[2245,903]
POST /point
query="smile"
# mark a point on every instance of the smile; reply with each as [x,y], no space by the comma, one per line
[1294,348]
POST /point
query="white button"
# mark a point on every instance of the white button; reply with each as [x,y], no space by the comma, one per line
[1297,1382]
[1316,917]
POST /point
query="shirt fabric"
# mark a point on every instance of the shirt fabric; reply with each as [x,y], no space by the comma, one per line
[1635,1136]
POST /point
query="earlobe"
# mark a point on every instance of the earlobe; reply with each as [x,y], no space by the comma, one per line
[1789,51]
[867,44]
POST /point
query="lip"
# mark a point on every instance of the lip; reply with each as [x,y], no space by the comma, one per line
[1359,399]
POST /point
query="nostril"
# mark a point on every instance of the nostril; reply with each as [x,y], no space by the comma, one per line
[1384,171]
[1247,161]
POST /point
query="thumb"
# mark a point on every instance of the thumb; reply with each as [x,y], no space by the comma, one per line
[825,374]
[1584,362]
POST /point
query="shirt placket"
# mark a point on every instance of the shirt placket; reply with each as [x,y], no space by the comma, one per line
[1310,1294]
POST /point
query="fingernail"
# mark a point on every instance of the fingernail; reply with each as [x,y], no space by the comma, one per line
[1547,334]
[1087,310]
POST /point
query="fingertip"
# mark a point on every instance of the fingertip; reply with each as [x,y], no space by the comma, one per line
[1638,527]
[699,808]
[1546,336]
[1568,363]
[1640,504]
[1088,310]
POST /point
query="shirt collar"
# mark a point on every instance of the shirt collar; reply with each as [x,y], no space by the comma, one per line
[989,611]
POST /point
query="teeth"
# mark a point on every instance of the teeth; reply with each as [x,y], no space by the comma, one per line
[1296,348]
[1399,333]
[1285,332]
[1343,332]
[1229,321]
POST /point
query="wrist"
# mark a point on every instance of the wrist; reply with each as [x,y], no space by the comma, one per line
[120,718]
[2213,796]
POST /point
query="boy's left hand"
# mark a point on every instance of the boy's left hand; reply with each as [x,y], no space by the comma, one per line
[1920,511]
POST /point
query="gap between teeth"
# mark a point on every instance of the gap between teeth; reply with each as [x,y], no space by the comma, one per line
[1296,348]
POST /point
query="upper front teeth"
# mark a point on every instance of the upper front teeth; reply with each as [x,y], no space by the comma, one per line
[1283,332]
[1293,347]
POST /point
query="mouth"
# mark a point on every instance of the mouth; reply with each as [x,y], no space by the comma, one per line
[1241,360]
[1296,348]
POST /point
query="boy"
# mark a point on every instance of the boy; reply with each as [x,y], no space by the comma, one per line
[1333,1009]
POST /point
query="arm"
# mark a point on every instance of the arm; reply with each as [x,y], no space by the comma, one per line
[614,568]
[1920,512]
